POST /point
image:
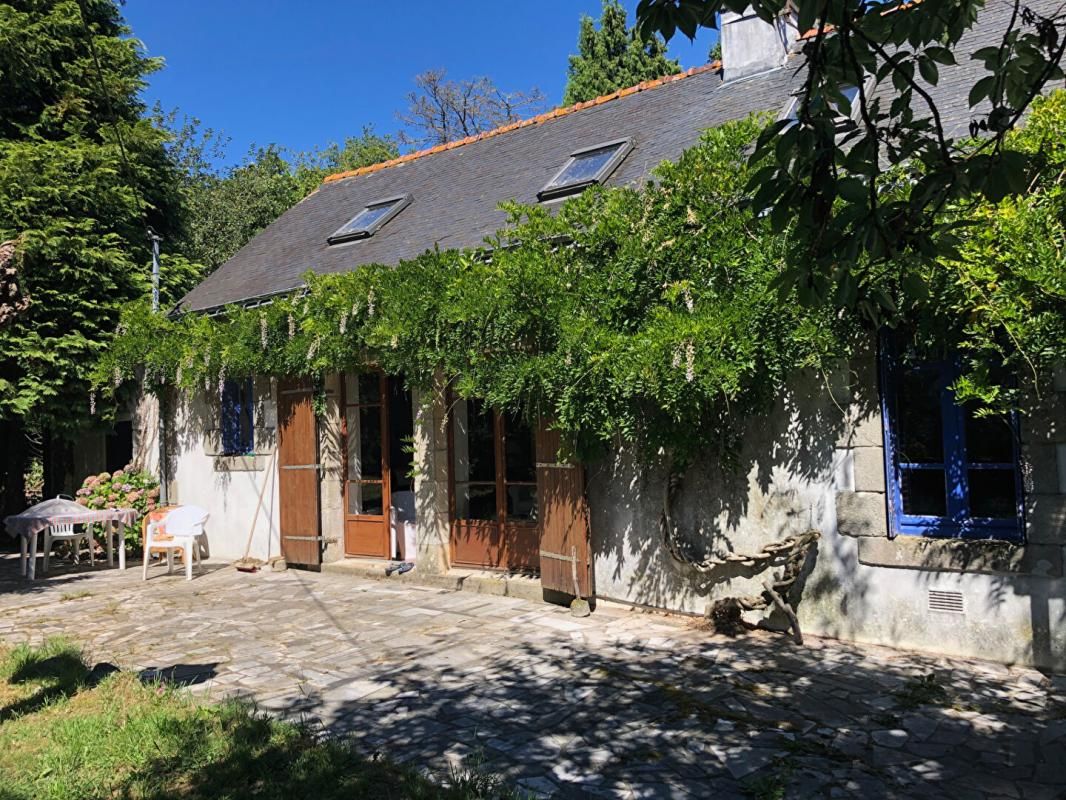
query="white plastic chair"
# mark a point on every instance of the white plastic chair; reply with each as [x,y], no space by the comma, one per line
[65,533]
[181,529]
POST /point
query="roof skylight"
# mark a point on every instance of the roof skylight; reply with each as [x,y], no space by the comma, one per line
[845,113]
[368,221]
[586,167]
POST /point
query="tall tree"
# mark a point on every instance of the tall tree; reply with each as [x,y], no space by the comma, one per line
[861,202]
[225,208]
[442,110]
[613,57]
[83,174]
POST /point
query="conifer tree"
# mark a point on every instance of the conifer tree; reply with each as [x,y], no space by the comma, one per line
[612,57]
[83,173]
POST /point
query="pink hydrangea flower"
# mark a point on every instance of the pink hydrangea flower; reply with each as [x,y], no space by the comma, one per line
[104,476]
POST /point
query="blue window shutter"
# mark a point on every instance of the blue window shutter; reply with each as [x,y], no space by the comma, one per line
[231,418]
[247,421]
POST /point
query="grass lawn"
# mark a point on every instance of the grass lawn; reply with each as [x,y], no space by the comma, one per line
[64,733]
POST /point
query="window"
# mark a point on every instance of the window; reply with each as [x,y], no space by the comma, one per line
[368,221]
[238,418]
[845,113]
[366,425]
[586,167]
[951,472]
[494,465]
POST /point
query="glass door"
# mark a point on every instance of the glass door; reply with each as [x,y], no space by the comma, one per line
[494,489]
[367,490]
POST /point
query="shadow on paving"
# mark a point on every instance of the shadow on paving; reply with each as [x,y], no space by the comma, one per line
[63,573]
[744,717]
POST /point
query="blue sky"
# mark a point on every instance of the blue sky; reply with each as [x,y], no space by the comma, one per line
[304,74]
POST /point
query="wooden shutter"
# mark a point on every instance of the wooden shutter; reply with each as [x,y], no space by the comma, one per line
[563,515]
[298,474]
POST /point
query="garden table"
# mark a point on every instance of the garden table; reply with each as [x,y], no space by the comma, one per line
[59,511]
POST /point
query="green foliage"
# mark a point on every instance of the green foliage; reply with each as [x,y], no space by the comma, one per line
[81,174]
[67,737]
[612,57]
[643,314]
[837,191]
[224,209]
[650,315]
[1002,299]
[124,488]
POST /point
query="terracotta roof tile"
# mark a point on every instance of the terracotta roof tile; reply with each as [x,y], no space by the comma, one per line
[513,126]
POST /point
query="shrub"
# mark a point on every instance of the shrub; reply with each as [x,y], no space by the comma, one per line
[123,488]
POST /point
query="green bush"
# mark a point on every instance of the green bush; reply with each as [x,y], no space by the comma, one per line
[124,488]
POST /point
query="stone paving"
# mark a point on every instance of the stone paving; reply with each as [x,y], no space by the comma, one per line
[620,704]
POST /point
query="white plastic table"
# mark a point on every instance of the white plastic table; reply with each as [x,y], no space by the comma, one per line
[31,523]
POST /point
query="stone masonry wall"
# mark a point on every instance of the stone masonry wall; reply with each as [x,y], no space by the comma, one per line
[869,587]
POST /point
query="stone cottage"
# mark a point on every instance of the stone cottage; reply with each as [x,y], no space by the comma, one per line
[910,554]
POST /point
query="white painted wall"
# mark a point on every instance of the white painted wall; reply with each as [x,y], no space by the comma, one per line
[1007,618]
[231,496]
[793,464]
[784,485]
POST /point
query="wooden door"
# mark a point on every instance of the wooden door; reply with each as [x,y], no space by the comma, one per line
[367,484]
[298,473]
[493,489]
[564,528]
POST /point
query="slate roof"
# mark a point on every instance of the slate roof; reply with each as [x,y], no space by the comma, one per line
[456,190]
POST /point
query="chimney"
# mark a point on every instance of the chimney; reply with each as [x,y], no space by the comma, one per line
[750,45]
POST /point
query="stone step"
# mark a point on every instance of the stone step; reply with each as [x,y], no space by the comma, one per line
[455,580]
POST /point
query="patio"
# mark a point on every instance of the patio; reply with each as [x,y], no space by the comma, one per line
[620,704]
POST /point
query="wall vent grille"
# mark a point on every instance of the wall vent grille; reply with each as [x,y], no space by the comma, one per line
[946,602]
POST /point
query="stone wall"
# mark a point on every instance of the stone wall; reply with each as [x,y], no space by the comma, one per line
[331,457]
[779,484]
[431,481]
[817,461]
[995,600]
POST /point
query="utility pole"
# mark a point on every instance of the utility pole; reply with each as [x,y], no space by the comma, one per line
[161,417]
[156,239]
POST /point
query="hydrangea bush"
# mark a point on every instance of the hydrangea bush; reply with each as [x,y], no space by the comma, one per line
[123,488]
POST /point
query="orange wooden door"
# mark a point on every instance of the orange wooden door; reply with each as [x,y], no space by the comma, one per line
[493,489]
[564,529]
[367,486]
[298,473]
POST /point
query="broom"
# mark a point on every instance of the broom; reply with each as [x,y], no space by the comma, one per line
[245,564]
